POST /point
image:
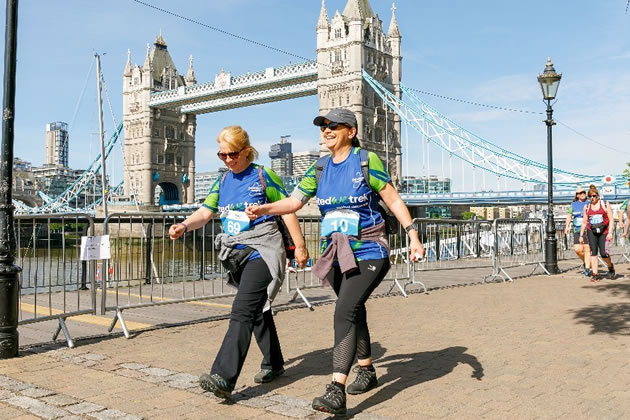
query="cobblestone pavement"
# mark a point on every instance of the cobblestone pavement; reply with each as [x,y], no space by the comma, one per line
[540,347]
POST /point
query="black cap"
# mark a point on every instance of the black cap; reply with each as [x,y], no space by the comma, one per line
[338,115]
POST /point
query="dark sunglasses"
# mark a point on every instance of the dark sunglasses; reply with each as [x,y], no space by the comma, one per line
[333,126]
[593,196]
[231,155]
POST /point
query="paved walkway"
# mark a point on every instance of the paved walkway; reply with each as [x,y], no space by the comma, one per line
[541,347]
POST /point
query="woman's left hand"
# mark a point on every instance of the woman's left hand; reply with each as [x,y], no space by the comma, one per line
[609,236]
[301,256]
[416,250]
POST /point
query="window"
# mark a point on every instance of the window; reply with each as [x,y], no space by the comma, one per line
[160,158]
[179,160]
[338,33]
[170,159]
[337,56]
[156,132]
[170,132]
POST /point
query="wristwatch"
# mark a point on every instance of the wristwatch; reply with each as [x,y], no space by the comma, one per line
[410,228]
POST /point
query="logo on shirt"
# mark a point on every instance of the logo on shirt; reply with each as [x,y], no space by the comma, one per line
[352,201]
[255,189]
[356,181]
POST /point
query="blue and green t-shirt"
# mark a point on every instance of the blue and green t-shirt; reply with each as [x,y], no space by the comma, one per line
[342,186]
[238,191]
[577,210]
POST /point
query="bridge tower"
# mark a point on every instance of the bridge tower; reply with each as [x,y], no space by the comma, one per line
[159,143]
[351,41]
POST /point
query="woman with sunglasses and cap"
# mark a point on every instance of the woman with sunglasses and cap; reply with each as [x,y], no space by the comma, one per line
[598,216]
[576,217]
[254,255]
[354,247]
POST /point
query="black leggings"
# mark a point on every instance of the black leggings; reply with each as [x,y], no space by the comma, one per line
[352,336]
[597,243]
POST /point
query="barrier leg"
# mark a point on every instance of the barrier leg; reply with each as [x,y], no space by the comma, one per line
[400,286]
[119,317]
[62,327]
[541,266]
[297,293]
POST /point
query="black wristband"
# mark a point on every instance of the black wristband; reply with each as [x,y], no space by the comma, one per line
[185,227]
[410,228]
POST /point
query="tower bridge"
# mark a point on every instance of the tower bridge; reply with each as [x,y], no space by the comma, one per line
[160,104]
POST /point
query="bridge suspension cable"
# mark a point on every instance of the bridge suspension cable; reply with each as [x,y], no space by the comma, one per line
[476,151]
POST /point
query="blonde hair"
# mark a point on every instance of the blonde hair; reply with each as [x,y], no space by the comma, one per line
[592,190]
[238,139]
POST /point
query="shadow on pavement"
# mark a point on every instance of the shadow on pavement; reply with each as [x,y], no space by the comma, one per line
[407,370]
[402,371]
[613,318]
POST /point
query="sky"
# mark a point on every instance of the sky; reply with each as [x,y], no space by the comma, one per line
[484,51]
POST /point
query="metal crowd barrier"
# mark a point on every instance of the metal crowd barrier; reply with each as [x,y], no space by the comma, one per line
[517,243]
[147,268]
[450,245]
[54,283]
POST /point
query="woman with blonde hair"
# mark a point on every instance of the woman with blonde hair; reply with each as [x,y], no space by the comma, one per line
[254,255]
[598,216]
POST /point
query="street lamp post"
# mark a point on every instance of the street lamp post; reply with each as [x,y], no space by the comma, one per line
[549,81]
[9,338]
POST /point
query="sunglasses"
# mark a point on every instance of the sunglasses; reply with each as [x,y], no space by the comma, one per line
[333,126]
[231,155]
[593,196]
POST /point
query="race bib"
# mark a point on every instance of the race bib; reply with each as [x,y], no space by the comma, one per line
[234,222]
[596,219]
[577,221]
[343,221]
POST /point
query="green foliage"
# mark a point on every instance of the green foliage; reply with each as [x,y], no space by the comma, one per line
[468,215]
[626,172]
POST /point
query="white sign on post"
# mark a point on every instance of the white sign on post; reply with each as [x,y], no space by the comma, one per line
[95,248]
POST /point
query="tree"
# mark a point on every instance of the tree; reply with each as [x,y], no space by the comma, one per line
[626,173]
[467,215]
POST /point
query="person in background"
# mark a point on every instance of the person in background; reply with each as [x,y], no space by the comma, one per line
[623,217]
[254,255]
[598,217]
[575,217]
[355,254]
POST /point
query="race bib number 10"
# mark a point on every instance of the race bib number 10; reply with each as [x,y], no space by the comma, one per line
[234,222]
[343,221]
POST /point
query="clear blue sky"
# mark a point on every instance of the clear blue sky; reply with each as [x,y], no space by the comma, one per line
[486,51]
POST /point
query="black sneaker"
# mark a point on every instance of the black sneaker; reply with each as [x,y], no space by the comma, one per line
[333,401]
[217,385]
[267,375]
[588,272]
[611,273]
[365,380]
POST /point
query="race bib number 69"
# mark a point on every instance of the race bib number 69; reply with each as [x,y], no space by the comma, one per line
[234,222]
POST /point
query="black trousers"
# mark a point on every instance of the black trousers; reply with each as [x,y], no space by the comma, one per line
[352,336]
[247,317]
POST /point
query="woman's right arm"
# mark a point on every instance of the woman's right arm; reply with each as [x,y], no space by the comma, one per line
[196,220]
[567,224]
[285,206]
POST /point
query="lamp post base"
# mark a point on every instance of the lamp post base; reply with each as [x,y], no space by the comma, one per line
[9,337]
[551,255]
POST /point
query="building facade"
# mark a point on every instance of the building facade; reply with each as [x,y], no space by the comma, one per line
[57,144]
[346,44]
[159,144]
[282,157]
[424,184]
[302,161]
